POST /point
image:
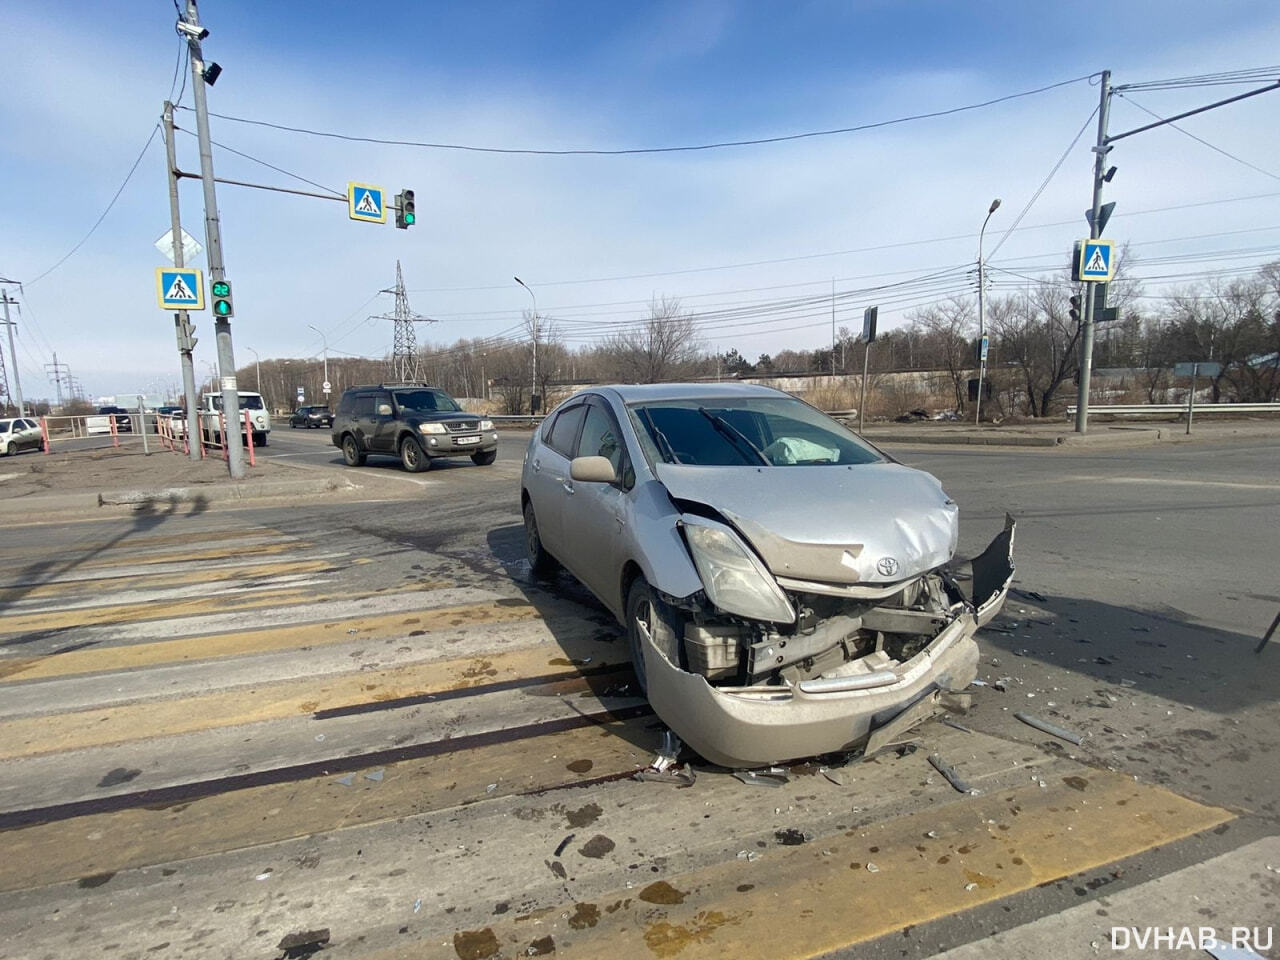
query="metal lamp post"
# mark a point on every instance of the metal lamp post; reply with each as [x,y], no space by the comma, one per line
[257,367]
[533,395]
[982,314]
[326,360]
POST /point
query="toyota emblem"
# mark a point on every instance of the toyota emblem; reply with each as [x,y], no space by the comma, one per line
[887,566]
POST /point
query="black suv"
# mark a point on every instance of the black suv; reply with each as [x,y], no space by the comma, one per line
[123,423]
[311,417]
[413,421]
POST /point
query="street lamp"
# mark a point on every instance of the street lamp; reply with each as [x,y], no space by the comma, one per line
[534,394]
[325,386]
[982,315]
[257,367]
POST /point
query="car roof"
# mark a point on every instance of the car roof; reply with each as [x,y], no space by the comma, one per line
[643,392]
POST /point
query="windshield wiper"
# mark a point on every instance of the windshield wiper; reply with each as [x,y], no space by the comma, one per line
[738,438]
[664,445]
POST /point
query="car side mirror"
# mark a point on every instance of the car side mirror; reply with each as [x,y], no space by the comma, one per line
[384,409]
[592,470]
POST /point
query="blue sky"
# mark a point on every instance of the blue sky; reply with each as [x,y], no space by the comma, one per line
[597,237]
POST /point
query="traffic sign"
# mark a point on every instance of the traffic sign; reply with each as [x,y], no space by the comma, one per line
[365,202]
[982,348]
[179,288]
[325,386]
[869,323]
[1201,369]
[302,394]
[1097,265]
[190,246]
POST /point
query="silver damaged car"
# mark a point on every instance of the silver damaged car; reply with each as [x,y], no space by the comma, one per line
[785,587]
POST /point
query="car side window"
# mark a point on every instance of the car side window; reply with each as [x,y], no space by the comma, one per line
[4,426]
[565,429]
[364,405]
[347,404]
[601,438]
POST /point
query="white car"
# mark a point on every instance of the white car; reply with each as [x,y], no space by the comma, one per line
[20,434]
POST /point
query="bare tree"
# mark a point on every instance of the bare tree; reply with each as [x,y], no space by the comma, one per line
[944,339]
[662,346]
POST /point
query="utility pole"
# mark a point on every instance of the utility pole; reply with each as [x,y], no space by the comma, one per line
[56,369]
[13,356]
[194,32]
[982,316]
[1100,151]
[182,324]
[325,341]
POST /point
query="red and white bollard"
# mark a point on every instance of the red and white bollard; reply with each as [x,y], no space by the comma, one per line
[248,434]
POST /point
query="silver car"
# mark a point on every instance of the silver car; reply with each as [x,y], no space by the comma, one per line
[785,587]
[20,433]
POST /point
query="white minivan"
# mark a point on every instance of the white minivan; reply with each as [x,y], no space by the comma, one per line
[259,417]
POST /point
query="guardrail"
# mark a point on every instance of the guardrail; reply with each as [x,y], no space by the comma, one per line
[515,418]
[1166,409]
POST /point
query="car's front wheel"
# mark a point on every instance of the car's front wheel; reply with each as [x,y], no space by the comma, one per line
[10,449]
[412,456]
[648,617]
[540,562]
[484,458]
[351,453]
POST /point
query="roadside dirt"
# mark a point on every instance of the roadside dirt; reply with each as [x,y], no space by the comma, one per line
[92,471]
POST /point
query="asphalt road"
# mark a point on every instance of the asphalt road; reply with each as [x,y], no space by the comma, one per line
[361,716]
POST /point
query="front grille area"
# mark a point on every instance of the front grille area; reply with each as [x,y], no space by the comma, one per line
[461,426]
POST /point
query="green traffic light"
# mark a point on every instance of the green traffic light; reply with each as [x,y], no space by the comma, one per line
[221,308]
[221,288]
[410,218]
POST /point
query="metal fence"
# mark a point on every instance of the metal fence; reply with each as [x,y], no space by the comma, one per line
[1173,409]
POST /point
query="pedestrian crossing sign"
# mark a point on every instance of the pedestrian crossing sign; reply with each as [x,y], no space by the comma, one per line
[1097,265]
[179,288]
[364,202]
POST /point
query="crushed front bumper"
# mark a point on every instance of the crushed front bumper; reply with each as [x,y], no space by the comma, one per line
[740,727]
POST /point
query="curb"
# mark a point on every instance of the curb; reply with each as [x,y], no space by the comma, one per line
[966,440]
[214,493]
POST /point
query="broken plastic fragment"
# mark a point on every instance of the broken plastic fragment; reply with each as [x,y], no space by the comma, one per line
[1050,728]
[490,788]
[970,887]
[772,777]
[376,776]
[872,868]
[347,780]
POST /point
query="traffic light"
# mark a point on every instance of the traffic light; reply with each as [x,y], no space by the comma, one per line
[221,291]
[1075,308]
[405,215]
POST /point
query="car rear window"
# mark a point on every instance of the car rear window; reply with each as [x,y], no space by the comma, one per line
[4,426]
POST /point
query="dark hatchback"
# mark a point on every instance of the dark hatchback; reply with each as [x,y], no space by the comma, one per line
[413,421]
[311,417]
[123,423]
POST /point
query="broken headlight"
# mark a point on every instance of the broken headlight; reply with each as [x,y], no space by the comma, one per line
[735,580]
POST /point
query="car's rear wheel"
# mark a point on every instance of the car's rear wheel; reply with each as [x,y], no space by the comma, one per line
[484,458]
[540,562]
[648,616]
[10,449]
[351,452]
[412,456]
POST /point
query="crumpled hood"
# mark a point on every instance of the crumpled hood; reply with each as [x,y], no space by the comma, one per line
[867,523]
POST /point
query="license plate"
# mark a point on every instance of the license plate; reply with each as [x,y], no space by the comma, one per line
[465,441]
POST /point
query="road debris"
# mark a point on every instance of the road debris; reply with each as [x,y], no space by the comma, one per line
[297,946]
[1002,684]
[1050,728]
[953,778]
[376,776]
[417,905]
[564,843]
[346,781]
[681,777]
[748,855]
[970,887]
[791,837]
[768,777]
[872,868]
[490,788]
[957,726]
[832,776]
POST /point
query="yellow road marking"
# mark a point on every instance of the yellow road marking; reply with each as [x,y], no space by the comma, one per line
[242,642]
[801,902]
[149,610]
[186,556]
[109,842]
[251,569]
[31,736]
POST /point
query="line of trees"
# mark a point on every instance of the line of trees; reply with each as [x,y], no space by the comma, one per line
[1033,360]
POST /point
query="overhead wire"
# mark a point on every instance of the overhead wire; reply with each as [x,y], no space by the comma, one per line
[103,215]
[759,141]
[1201,140]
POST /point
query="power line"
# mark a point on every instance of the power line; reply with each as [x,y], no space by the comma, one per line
[270,166]
[1248,75]
[650,150]
[98,222]
[1188,133]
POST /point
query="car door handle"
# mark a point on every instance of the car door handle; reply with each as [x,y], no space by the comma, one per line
[568,485]
[537,466]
